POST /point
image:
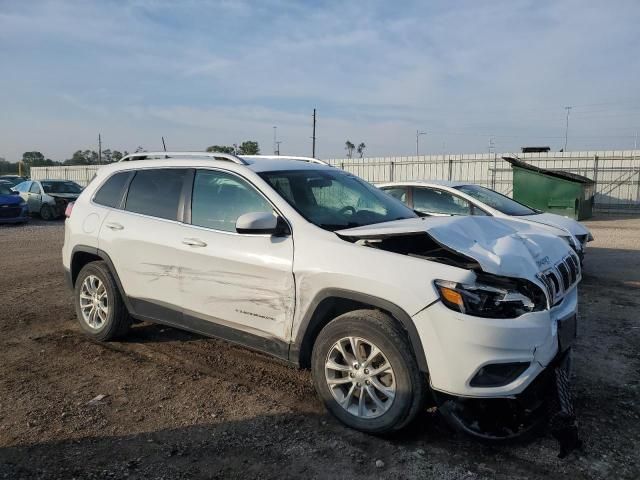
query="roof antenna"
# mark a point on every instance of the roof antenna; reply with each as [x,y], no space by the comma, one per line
[165,147]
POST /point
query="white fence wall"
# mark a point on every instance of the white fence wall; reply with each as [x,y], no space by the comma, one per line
[616,173]
[81,174]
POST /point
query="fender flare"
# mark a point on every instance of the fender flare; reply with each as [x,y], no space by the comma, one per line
[105,257]
[310,319]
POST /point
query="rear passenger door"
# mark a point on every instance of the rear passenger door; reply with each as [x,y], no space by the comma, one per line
[238,286]
[142,237]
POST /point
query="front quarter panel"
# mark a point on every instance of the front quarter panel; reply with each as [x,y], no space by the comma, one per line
[323,261]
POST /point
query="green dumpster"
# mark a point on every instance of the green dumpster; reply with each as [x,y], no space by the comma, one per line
[552,191]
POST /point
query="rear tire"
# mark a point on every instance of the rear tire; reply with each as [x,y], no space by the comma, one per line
[380,388]
[99,306]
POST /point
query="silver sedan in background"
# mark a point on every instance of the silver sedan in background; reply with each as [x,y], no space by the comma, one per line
[48,198]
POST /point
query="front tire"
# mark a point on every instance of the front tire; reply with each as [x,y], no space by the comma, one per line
[99,306]
[46,213]
[365,373]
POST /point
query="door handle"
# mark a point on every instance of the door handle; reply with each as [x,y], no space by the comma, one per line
[194,242]
[114,226]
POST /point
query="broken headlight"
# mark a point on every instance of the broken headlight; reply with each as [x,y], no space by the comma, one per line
[492,297]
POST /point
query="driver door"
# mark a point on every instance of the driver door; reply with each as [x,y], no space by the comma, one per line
[34,197]
[234,284]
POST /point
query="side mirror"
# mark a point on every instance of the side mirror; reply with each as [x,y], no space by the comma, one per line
[15,192]
[261,223]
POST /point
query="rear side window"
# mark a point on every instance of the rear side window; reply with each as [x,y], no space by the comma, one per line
[397,192]
[438,201]
[156,192]
[110,194]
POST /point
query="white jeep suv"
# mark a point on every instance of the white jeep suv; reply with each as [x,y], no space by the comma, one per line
[313,265]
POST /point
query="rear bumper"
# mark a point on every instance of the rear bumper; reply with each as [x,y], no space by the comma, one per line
[458,346]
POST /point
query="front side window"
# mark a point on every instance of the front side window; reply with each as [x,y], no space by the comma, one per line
[35,188]
[333,199]
[429,200]
[220,198]
[496,200]
[110,194]
[156,192]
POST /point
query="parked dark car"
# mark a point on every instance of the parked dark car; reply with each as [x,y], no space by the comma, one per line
[13,179]
[13,209]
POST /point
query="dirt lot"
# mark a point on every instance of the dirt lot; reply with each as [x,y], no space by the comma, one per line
[182,406]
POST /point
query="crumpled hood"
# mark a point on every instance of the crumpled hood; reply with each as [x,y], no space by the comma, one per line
[558,221]
[500,246]
[67,196]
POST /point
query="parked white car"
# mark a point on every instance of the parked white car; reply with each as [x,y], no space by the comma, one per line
[48,198]
[462,198]
[311,264]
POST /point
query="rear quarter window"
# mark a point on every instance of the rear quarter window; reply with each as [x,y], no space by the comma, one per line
[110,194]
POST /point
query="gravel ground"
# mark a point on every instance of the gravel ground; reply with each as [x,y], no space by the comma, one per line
[178,405]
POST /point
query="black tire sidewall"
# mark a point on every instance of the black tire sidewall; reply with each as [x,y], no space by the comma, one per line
[401,362]
[46,208]
[110,327]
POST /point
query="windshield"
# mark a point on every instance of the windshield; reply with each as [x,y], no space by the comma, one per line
[5,189]
[334,199]
[61,187]
[496,200]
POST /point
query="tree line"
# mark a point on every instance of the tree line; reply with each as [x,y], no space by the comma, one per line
[91,157]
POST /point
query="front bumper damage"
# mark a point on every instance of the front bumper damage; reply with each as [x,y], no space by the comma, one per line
[546,401]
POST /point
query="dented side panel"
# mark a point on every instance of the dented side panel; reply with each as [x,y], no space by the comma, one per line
[148,265]
[242,281]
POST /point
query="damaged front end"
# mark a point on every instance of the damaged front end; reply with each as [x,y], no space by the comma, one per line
[547,401]
[498,344]
[61,203]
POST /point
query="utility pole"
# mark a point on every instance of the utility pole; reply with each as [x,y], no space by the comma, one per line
[275,141]
[566,129]
[313,145]
[418,133]
[99,149]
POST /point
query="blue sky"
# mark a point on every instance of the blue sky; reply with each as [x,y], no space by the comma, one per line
[219,72]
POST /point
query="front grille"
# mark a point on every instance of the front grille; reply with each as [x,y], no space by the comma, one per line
[564,271]
[9,211]
[561,278]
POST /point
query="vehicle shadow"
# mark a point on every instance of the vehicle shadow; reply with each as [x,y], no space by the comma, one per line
[303,445]
[156,333]
[620,266]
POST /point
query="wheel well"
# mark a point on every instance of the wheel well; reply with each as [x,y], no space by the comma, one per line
[328,309]
[79,260]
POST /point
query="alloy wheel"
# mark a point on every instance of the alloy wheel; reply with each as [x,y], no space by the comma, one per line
[360,377]
[94,302]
